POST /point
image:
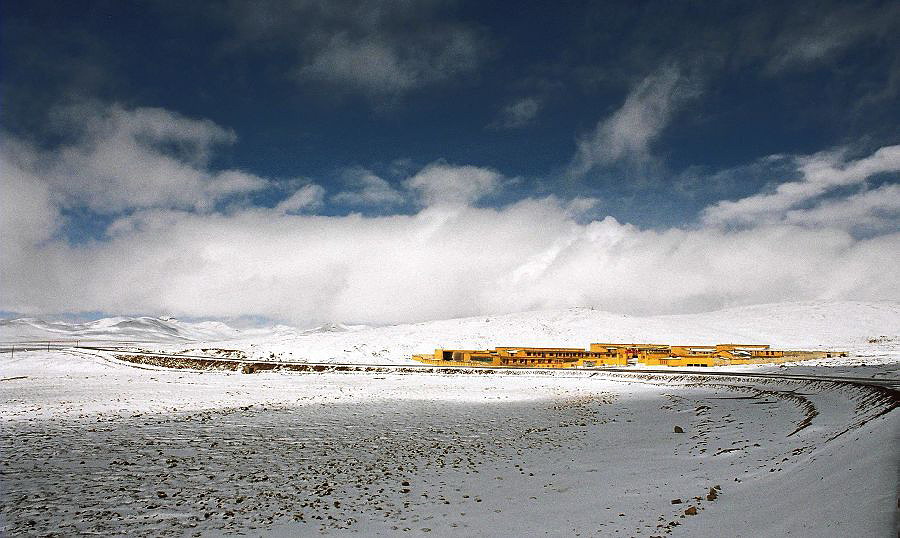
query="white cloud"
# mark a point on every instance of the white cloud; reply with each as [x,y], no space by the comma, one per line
[821,173]
[810,36]
[437,184]
[27,213]
[28,220]
[306,198]
[444,184]
[382,65]
[375,48]
[581,206]
[370,66]
[450,258]
[628,132]
[437,264]
[519,113]
[866,211]
[122,159]
[367,190]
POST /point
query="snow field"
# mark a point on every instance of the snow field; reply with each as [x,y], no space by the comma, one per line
[94,446]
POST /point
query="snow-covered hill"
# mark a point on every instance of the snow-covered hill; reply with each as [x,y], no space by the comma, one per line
[801,325]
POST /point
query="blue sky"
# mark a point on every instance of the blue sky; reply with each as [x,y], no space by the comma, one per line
[669,118]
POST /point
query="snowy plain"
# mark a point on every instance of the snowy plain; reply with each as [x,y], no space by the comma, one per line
[92,445]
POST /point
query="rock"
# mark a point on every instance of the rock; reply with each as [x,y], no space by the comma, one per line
[676,501]
[679,429]
[161,494]
[691,511]
[711,496]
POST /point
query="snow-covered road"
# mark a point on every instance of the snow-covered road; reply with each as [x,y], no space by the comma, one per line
[94,446]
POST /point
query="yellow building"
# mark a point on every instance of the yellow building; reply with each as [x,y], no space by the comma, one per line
[601,354]
[523,357]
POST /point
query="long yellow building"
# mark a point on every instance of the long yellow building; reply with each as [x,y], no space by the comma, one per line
[619,355]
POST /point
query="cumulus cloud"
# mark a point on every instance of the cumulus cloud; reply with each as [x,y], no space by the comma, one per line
[820,174]
[306,198]
[437,184]
[444,184]
[629,131]
[366,189]
[519,113]
[116,159]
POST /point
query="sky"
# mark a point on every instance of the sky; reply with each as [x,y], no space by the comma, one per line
[386,162]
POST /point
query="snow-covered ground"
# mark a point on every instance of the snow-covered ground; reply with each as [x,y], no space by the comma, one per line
[91,445]
[95,446]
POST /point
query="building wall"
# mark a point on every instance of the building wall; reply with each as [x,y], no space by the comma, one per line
[602,354]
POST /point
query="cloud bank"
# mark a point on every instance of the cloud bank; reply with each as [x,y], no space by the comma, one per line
[170,249]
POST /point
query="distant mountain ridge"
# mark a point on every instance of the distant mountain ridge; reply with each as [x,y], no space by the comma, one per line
[116,328]
[149,329]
